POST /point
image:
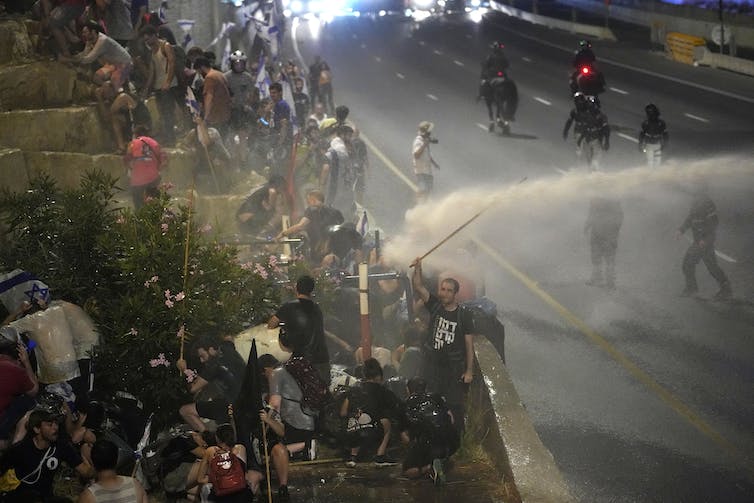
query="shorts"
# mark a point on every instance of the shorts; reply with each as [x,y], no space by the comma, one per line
[62,15]
[176,481]
[213,409]
[425,182]
[116,74]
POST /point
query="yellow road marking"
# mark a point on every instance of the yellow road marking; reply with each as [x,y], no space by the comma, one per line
[666,396]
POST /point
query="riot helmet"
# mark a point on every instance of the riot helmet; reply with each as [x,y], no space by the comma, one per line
[497,46]
[652,111]
[579,99]
[238,61]
[584,44]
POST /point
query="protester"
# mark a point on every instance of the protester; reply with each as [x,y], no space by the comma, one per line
[429,432]
[301,101]
[114,16]
[224,370]
[603,226]
[317,217]
[337,169]
[56,17]
[109,487]
[302,329]
[318,114]
[261,212]
[145,159]
[424,164]
[32,460]
[162,80]
[18,386]
[448,348]
[290,428]
[282,127]
[216,96]
[229,484]
[369,408]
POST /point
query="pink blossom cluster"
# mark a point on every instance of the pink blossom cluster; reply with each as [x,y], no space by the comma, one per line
[181,332]
[160,360]
[190,375]
[170,299]
[133,332]
[150,281]
[205,229]
[166,186]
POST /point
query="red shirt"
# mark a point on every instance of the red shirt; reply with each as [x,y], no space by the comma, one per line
[145,157]
[13,381]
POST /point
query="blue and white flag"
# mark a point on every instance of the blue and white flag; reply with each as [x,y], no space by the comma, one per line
[263,79]
[288,97]
[20,286]
[192,104]
[363,224]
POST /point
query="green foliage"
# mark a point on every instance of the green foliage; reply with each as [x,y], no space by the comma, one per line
[127,269]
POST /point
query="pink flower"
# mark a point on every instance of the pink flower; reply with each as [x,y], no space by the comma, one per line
[168,295]
[180,296]
[133,331]
[247,266]
[169,303]
[160,360]
[205,229]
[273,260]
[166,186]
[259,268]
[181,332]
[154,279]
[164,228]
[190,375]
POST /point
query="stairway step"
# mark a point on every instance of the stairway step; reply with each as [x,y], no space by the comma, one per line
[15,45]
[42,84]
[73,129]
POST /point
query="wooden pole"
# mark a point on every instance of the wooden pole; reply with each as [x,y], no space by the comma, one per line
[267,462]
[366,333]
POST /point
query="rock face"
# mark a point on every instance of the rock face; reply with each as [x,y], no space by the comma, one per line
[15,43]
[41,84]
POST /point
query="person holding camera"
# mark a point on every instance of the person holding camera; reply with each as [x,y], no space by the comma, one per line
[18,385]
[423,162]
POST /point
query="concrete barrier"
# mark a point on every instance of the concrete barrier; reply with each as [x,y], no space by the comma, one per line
[705,57]
[593,31]
[528,470]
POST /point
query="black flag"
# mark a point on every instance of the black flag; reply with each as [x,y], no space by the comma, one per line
[249,401]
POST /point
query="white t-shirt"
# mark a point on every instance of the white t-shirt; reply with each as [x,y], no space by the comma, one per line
[422,164]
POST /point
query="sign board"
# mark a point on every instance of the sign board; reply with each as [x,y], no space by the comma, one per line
[715,35]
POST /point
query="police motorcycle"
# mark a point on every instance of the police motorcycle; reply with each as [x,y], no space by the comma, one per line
[498,89]
[586,78]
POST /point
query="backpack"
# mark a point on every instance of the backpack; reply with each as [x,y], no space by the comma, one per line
[162,457]
[226,473]
[330,216]
[314,392]
[429,415]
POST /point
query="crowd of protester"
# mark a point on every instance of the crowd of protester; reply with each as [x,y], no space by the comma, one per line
[409,387]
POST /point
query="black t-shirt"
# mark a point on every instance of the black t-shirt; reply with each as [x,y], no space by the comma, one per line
[226,371]
[38,466]
[305,325]
[374,399]
[447,331]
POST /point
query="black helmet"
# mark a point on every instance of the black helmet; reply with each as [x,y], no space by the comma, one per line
[579,98]
[652,110]
[585,44]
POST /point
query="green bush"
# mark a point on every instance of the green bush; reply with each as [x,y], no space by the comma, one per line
[135,275]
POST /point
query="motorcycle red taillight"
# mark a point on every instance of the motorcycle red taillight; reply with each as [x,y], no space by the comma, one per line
[585,70]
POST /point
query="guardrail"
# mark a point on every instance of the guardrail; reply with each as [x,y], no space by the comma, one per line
[680,46]
[593,31]
[703,56]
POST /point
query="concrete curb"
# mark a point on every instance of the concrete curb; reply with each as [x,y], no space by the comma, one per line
[569,26]
[510,438]
[705,57]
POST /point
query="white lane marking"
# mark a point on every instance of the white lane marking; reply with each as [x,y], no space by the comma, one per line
[458,63]
[696,117]
[559,47]
[378,59]
[528,60]
[400,75]
[363,46]
[422,43]
[482,126]
[433,97]
[438,52]
[619,91]
[629,138]
[542,100]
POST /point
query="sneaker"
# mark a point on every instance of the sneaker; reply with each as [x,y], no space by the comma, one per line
[311,452]
[351,462]
[437,472]
[283,493]
[384,461]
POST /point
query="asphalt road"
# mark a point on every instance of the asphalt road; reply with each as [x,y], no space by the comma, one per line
[639,394]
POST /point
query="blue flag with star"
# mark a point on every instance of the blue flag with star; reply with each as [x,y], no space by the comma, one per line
[20,286]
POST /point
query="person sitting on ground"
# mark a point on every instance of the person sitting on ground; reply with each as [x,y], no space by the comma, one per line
[185,453]
[262,210]
[369,408]
[31,458]
[429,432]
[317,217]
[18,385]
[224,369]
[291,428]
[109,487]
[234,485]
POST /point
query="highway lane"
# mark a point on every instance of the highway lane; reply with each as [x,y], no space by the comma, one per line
[615,437]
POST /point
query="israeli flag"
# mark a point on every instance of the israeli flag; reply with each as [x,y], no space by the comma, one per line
[20,286]
[192,104]
[288,97]
[263,80]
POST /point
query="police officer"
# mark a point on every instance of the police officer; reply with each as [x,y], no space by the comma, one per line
[584,56]
[653,136]
[495,62]
[595,135]
[702,220]
[577,116]
[603,226]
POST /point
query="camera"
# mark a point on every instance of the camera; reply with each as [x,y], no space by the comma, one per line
[433,141]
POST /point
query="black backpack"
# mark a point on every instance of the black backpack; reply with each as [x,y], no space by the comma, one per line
[330,216]
[163,456]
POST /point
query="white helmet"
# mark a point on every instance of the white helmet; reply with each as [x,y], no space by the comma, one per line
[238,56]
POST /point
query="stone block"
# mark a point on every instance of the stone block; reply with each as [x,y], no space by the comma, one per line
[42,84]
[65,167]
[219,211]
[13,170]
[74,129]
[15,44]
